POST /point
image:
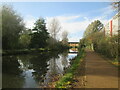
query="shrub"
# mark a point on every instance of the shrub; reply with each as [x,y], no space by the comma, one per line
[105,45]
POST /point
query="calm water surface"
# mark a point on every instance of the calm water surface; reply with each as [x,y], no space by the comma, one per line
[33,71]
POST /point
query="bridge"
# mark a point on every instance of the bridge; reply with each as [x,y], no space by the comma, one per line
[74,47]
[73,44]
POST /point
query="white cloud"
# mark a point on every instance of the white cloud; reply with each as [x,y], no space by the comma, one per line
[107,11]
[67,18]
[29,21]
[74,38]
[68,23]
[104,13]
[86,18]
[73,24]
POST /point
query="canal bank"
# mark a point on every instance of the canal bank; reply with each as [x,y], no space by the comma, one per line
[67,80]
[32,51]
[23,51]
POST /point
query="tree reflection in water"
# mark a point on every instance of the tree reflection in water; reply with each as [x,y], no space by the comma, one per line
[36,66]
[33,70]
[56,67]
[11,73]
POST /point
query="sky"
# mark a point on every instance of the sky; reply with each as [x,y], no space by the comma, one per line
[74,17]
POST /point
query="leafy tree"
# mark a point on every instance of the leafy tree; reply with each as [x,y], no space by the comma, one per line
[25,40]
[93,27]
[12,25]
[50,42]
[40,34]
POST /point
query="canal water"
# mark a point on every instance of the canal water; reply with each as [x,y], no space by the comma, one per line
[33,70]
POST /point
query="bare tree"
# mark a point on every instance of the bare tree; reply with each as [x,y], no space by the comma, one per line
[65,37]
[54,28]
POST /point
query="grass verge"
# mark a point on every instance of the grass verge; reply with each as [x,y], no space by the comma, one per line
[66,80]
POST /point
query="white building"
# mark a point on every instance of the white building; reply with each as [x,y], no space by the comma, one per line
[113,26]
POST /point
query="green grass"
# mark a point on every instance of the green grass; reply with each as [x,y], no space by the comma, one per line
[66,80]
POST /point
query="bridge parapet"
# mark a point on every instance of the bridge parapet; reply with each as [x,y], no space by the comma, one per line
[73,44]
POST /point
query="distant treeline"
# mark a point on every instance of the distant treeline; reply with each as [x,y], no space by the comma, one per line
[16,36]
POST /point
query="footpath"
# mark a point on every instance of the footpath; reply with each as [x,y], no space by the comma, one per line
[96,72]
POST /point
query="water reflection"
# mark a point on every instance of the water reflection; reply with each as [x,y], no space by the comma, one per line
[33,71]
[11,74]
[56,66]
[73,50]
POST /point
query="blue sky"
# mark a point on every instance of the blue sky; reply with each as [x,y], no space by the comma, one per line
[73,16]
[54,9]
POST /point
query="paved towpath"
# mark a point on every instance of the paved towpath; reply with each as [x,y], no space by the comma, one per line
[98,73]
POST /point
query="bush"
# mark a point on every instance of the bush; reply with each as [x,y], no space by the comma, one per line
[105,45]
